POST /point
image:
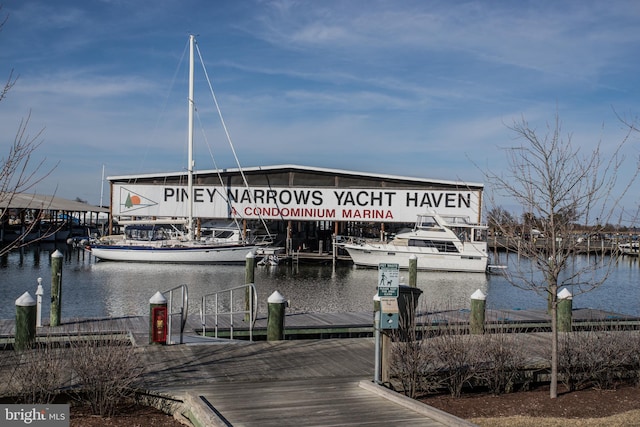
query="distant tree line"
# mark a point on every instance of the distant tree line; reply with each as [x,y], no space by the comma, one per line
[501,221]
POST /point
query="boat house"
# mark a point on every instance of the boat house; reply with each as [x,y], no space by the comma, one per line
[307,207]
[28,217]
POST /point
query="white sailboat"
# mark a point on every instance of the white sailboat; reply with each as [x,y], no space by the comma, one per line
[159,241]
[440,243]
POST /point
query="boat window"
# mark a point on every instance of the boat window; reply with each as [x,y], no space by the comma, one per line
[441,246]
[145,233]
[456,219]
[427,222]
[480,235]
[223,234]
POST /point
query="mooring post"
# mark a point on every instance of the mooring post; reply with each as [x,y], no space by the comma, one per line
[275,316]
[413,271]
[476,320]
[56,288]
[565,306]
[249,275]
[25,322]
[39,293]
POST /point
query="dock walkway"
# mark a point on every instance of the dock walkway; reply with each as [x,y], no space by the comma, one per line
[316,382]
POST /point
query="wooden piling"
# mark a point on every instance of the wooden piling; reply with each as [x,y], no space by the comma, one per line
[276,305]
[476,320]
[413,271]
[25,322]
[56,288]
[249,277]
[565,307]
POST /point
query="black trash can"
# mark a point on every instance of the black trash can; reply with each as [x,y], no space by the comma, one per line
[407,305]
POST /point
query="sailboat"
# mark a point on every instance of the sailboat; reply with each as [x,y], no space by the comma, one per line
[163,241]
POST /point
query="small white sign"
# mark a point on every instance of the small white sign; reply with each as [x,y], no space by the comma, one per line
[388,280]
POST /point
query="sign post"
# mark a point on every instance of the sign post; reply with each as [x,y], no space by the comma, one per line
[388,291]
[386,315]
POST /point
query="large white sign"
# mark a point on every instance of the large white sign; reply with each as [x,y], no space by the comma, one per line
[303,204]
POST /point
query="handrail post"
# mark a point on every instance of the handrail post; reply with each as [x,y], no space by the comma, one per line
[250,311]
[231,313]
[203,315]
[184,309]
[169,318]
[216,315]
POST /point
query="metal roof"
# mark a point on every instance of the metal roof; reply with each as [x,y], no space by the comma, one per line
[38,201]
[285,167]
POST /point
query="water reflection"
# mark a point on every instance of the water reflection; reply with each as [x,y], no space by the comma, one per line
[96,289]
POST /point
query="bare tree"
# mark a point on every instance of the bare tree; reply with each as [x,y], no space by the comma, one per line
[558,185]
[18,172]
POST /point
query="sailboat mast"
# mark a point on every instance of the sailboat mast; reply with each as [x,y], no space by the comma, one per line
[190,137]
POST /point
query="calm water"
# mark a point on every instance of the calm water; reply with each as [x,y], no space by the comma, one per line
[97,289]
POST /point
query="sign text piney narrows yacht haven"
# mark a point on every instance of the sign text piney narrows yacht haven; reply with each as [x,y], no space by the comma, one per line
[299,203]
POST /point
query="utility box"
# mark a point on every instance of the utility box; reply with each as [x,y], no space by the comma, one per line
[159,325]
[389,313]
[158,319]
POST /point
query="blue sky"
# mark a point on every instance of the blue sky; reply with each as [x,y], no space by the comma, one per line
[412,88]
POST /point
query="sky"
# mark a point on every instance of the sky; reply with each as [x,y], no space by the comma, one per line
[421,88]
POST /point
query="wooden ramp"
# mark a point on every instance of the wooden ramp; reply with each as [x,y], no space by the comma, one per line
[284,383]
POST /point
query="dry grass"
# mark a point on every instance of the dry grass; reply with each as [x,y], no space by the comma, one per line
[631,418]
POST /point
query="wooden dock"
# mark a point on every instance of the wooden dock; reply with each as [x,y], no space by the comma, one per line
[295,382]
[321,325]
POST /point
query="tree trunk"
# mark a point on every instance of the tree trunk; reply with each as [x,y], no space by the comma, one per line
[553,388]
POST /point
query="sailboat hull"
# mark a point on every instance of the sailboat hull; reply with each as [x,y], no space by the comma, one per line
[195,255]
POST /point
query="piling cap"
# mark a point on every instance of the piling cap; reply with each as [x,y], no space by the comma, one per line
[250,255]
[565,294]
[57,254]
[26,300]
[276,298]
[479,295]
[158,298]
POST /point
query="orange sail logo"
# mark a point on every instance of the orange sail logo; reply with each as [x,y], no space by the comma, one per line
[133,201]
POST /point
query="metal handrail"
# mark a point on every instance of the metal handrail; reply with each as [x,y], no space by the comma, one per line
[183,310]
[252,310]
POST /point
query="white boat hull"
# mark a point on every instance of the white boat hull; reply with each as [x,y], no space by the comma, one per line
[631,249]
[231,254]
[369,255]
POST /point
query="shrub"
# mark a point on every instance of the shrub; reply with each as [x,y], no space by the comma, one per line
[37,375]
[456,358]
[411,362]
[504,360]
[601,356]
[106,372]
